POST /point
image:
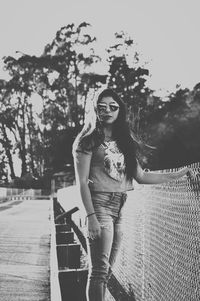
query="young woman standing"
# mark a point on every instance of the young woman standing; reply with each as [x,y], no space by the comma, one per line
[105,159]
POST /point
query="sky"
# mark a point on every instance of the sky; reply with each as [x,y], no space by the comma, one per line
[166,32]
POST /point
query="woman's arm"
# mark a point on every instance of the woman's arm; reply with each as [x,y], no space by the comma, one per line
[144,177]
[82,168]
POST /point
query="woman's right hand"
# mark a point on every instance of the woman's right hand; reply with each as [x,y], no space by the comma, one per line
[94,229]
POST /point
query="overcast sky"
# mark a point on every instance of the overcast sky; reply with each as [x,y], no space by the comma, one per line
[167,32]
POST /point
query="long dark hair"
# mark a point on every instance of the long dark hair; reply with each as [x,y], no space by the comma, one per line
[92,134]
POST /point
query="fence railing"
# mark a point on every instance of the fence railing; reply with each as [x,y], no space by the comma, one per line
[70,242]
[160,256]
[7,194]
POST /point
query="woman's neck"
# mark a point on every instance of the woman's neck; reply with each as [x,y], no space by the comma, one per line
[108,131]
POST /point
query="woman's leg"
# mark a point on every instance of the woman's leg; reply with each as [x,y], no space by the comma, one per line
[99,254]
[117,235]
[117,239]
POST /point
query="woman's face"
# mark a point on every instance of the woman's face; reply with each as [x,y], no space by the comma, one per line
[108,110]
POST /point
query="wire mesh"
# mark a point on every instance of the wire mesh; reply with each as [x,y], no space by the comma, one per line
[160,256]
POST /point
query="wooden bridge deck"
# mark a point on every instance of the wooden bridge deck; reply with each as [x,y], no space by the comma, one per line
[25,250]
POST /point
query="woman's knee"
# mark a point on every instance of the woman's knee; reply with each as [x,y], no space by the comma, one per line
[101,267]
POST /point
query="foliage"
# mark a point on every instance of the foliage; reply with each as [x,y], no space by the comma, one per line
[3,173]
[176,133]
[60,80]
[128,78]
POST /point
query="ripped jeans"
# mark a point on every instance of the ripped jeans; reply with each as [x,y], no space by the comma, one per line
[103,250]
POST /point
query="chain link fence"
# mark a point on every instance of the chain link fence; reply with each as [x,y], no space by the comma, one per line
[160,256]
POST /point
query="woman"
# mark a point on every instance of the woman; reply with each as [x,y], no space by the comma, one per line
[105,159]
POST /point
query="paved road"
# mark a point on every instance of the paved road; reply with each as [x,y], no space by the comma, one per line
[24,250]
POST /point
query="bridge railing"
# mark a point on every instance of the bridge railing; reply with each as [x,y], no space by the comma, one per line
[9,194]
[70,246]
[160,255]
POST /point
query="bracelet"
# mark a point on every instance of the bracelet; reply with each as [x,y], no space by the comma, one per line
[90,214]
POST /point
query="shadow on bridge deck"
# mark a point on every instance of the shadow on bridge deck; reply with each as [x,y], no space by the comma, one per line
[24,250]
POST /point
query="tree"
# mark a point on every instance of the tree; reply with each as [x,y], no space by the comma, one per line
[128,78]
[64,111]
[62,77]
[176,133]
[6,125]
[25,131]
[74,46]
[3,170]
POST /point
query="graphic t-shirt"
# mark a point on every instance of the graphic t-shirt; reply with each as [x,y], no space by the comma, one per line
[107,168]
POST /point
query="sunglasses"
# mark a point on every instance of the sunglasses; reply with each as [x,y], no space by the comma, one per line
[101,107]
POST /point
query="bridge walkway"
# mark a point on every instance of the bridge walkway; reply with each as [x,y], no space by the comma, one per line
[25,250]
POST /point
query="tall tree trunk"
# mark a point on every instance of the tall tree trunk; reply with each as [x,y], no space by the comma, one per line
[6,145]
[22,134]
[31,133]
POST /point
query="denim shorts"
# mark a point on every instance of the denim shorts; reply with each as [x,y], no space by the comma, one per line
[108,205]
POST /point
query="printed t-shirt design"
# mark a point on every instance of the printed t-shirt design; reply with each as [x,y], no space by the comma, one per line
[114,162]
